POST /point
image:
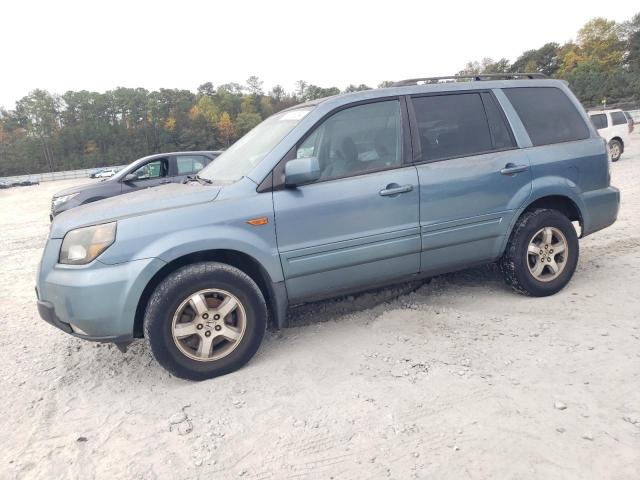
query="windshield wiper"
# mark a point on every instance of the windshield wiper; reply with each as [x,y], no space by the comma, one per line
[203,180]
[197,178]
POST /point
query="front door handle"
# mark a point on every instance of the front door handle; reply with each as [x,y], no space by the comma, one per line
[512,168]
[394,189]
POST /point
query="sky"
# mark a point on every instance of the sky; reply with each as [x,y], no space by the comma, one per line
[100,45]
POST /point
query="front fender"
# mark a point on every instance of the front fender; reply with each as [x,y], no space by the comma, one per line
[171,234]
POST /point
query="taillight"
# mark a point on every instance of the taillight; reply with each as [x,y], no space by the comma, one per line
[630,123]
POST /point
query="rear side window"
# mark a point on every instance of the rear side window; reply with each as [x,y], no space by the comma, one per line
[547,114]
[618,118]
[599,120]
[452,126]
[189,164]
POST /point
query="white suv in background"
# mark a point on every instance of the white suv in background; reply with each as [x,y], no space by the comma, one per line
[614,127]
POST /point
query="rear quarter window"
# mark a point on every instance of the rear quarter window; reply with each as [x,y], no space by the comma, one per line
[547,114]
[618,118]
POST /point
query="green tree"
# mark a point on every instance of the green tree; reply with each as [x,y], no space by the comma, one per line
[39,115]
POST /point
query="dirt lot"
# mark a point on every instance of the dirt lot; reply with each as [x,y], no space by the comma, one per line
[460,378]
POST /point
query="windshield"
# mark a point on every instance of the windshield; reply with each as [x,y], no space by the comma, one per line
[250,150]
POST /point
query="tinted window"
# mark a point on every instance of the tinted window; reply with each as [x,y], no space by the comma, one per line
[155,169]
[618,118]
[452,125]
[599,120]
[547,114]
[356,140]
[500,131]
[189,164]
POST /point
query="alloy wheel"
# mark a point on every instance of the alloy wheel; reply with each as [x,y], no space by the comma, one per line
[547,254]
[209,325]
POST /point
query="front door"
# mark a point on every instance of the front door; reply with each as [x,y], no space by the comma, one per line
[472,178]
[357,226]
[151,174]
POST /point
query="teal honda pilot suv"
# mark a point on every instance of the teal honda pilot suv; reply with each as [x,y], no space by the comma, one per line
[337,195]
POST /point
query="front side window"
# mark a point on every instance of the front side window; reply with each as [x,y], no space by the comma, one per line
[155,169]
[547,114]
[599,120]
[356,140]
[452,126]
[618,118]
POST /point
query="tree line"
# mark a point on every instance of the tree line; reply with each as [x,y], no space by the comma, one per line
[49,132]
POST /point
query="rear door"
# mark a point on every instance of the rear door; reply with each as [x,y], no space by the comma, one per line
[620,125]
[357,226]
[472,177]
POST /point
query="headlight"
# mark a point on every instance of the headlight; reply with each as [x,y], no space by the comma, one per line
[57,201]
[83,245]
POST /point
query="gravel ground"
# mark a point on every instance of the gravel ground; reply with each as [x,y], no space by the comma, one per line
[459,378]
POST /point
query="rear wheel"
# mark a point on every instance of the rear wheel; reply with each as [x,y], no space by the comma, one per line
[542,253]
[615,149]
[205,320]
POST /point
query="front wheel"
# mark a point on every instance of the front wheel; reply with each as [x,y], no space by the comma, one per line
[542,253]
[205,320]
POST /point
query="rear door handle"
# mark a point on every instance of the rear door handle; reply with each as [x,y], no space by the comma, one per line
[511,168]
[394,189]
[165,181]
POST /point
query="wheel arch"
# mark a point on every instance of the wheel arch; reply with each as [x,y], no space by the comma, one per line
[274,293]
[561,203]
[551,200]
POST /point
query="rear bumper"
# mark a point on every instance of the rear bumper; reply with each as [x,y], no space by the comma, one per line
[600,209]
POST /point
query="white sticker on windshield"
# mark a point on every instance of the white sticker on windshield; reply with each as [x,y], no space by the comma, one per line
[294,115]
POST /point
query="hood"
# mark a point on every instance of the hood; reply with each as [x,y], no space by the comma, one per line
[164,197]
[79,188]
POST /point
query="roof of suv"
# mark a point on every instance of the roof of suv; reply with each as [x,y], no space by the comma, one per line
[345,98]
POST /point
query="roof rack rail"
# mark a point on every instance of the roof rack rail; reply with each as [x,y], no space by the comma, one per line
[477,78]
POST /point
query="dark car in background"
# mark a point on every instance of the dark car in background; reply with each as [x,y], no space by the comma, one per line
[146,172]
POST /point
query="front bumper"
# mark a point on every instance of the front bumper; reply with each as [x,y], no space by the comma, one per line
[96,301]
[48,314]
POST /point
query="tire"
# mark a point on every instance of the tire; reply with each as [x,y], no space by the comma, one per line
[615,147]
[171,315]
[521,269]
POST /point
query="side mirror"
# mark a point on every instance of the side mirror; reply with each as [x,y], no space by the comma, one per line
[300,171]
[130,177]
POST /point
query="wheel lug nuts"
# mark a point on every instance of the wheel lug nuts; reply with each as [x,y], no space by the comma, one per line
[199,326]
[216,317]
[551,251]
[205,315]
[207,333]
[217,328]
